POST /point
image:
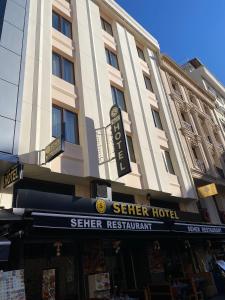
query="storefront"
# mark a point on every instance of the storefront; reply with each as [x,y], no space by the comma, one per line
[82,248]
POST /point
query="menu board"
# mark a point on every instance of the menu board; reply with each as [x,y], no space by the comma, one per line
[12,285]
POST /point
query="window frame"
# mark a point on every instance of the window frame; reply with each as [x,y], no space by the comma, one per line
[156,112]
[60,25]
[141,54]
[62,73]
[169,167]
[106,25]
[148,85]
[62,120]
[114,91]
[109,55]
[130,146]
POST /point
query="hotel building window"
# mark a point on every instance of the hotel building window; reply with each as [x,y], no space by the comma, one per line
[131,149]
[175,87]
[61,24]
[62,68]
[148,83]
[62,117]
[156,119]
[106,26]
[112,58]
[118,98]
[140,53]
[167,162]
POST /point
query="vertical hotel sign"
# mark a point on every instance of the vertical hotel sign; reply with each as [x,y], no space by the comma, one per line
[119,141]
[2,14]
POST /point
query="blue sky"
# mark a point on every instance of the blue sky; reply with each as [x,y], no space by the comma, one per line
[185,29]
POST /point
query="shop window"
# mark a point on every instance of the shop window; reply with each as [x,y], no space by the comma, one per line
[61,24]
[111,58]
[148,83]
[62,68]
[125,198]
[140,53]
[62,117]
[156,119]
[106,26]
[168,162]
[118,98]
[131,149]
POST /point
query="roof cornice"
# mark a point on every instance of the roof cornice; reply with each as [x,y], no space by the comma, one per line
[131,24]
[169,65]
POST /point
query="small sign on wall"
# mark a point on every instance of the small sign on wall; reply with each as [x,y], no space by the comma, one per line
[207,190]
[119,141]
[14,174]
[54,149]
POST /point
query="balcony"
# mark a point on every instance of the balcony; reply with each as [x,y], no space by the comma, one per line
[220,172]
[187,126]
[220,147]
[176,97]
[199,164]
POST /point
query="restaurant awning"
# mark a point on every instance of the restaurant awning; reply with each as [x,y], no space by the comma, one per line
[79,222]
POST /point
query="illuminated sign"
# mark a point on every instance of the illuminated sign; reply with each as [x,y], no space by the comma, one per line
[13,175]
[119,141]
[143,211]
[207,190]
[54,149]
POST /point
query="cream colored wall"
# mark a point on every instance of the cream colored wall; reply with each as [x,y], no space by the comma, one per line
[91,98]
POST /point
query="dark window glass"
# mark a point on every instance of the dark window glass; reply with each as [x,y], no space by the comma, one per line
[141,53]
[56,121]
[62,116]
[118,98]
[106,26]
[168,162]
[63,68]
[71,127]
[55,21]
[156,119]
[61,24]
[66,28]
[68,73]
[56,65]
[2,14]
[148,84]
[111,58]
[131,149]
[195,153]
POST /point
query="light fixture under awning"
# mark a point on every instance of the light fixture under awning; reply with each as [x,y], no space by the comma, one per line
[4,249]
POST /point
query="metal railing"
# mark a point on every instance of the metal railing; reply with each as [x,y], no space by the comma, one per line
[200,165]
[187,126]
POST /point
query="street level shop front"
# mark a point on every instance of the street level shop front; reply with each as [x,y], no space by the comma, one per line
[81,248]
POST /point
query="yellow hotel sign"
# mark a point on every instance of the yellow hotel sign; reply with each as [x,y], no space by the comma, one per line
[207,190]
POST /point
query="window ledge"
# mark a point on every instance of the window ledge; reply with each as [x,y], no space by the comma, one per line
[109,40]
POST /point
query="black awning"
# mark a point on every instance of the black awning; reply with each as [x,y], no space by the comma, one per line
[4,249]
[6,216]
[88,222]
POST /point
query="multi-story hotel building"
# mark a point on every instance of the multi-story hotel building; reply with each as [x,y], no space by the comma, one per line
[64,65]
